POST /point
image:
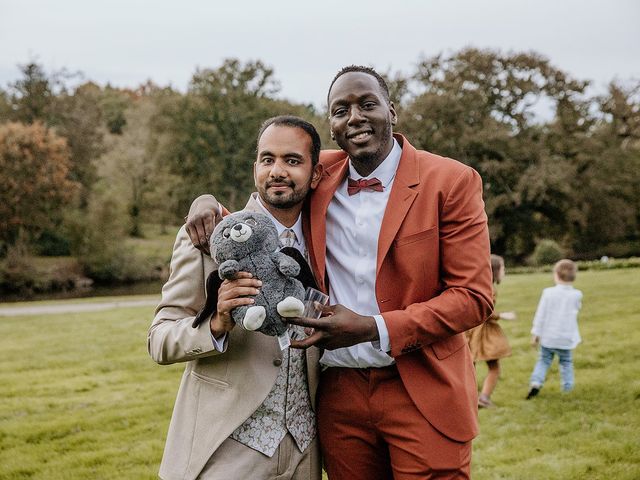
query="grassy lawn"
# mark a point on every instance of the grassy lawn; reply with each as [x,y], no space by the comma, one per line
[157,242]
[591,433]
[97,299]
[81,398]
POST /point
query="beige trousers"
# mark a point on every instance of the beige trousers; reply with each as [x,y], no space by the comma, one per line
[235,461]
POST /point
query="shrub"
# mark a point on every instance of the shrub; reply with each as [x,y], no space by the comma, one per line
[546,252]
[112,263]
[52,244]
[18,273]
[100,236]
[21,274]
[584,265]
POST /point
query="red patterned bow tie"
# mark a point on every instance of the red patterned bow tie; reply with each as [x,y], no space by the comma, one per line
[354,186]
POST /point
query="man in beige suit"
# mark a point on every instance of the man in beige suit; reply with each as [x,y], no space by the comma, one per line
[245,407]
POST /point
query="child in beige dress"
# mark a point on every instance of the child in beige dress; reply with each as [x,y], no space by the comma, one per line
[488,342]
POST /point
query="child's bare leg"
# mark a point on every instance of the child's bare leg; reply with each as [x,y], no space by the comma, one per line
[492,378]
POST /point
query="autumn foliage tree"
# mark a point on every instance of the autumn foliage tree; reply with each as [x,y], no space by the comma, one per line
[214,127]
[559,163]
[76,113]
[34,173]
[569,178]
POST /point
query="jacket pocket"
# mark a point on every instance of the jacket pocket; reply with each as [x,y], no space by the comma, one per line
[415,237]
[210,380]
[448,346]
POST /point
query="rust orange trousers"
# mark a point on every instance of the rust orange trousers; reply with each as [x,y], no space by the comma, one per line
[369,429]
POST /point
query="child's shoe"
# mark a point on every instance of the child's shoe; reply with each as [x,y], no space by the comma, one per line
[533,391]
[484,401]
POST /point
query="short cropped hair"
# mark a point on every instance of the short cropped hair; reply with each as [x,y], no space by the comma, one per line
[362,69]
[295,122]
[497,262]
[566,270]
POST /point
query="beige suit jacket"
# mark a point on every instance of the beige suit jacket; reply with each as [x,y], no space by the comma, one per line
[218,391]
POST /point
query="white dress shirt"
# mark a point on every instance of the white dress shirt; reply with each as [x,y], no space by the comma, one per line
[353,228]
[556,318]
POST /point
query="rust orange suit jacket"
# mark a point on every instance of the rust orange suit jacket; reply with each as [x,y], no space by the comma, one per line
[433,277]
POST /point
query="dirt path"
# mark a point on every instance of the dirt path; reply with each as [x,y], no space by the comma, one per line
[74,307]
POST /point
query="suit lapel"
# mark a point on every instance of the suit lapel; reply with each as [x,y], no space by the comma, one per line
[321,197]
[400,199]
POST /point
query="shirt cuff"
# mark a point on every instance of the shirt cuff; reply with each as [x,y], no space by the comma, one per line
[383,344]
[220,344]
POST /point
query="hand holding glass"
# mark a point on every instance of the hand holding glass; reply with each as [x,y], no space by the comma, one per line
[313,302]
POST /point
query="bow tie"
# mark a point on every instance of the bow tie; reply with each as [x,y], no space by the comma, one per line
[354,186]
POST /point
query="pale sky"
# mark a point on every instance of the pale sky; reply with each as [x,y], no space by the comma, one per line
[126,42]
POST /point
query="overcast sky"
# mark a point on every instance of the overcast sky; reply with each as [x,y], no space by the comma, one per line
[126,42]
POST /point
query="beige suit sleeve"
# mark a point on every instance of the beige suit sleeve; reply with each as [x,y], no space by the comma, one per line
[171,337]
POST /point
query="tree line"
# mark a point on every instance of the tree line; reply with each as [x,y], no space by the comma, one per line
[83,166]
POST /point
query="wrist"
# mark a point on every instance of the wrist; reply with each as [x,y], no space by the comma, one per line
[373,333]
[217,327]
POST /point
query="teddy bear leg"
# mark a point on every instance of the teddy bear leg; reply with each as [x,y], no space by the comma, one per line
[254,317]
[290,307]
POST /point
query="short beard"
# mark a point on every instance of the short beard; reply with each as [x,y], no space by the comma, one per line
[285,202]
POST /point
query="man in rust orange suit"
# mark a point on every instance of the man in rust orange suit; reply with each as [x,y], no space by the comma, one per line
[398,238]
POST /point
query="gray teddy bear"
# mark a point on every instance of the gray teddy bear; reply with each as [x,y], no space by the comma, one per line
[248,242]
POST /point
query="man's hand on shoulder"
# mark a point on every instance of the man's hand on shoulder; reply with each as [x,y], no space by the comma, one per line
[204,215]
[339,327]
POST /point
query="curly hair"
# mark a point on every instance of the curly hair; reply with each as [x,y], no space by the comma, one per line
[362,69]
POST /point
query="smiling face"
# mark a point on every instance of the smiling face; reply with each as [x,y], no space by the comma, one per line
[361,120]
[284,172]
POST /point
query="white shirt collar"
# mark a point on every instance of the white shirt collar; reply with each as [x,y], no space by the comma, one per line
[386,171]
[297,227]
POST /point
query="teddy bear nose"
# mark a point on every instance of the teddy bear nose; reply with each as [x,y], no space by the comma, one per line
[237,227]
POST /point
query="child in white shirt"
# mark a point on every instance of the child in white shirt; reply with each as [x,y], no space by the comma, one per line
[555,327]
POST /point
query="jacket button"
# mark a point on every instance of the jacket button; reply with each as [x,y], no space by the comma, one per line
[277,362]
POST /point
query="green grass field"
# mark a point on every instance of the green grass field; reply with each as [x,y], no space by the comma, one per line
[81,399]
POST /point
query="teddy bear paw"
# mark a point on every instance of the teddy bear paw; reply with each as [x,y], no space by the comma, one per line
[290,307]
[254,317]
